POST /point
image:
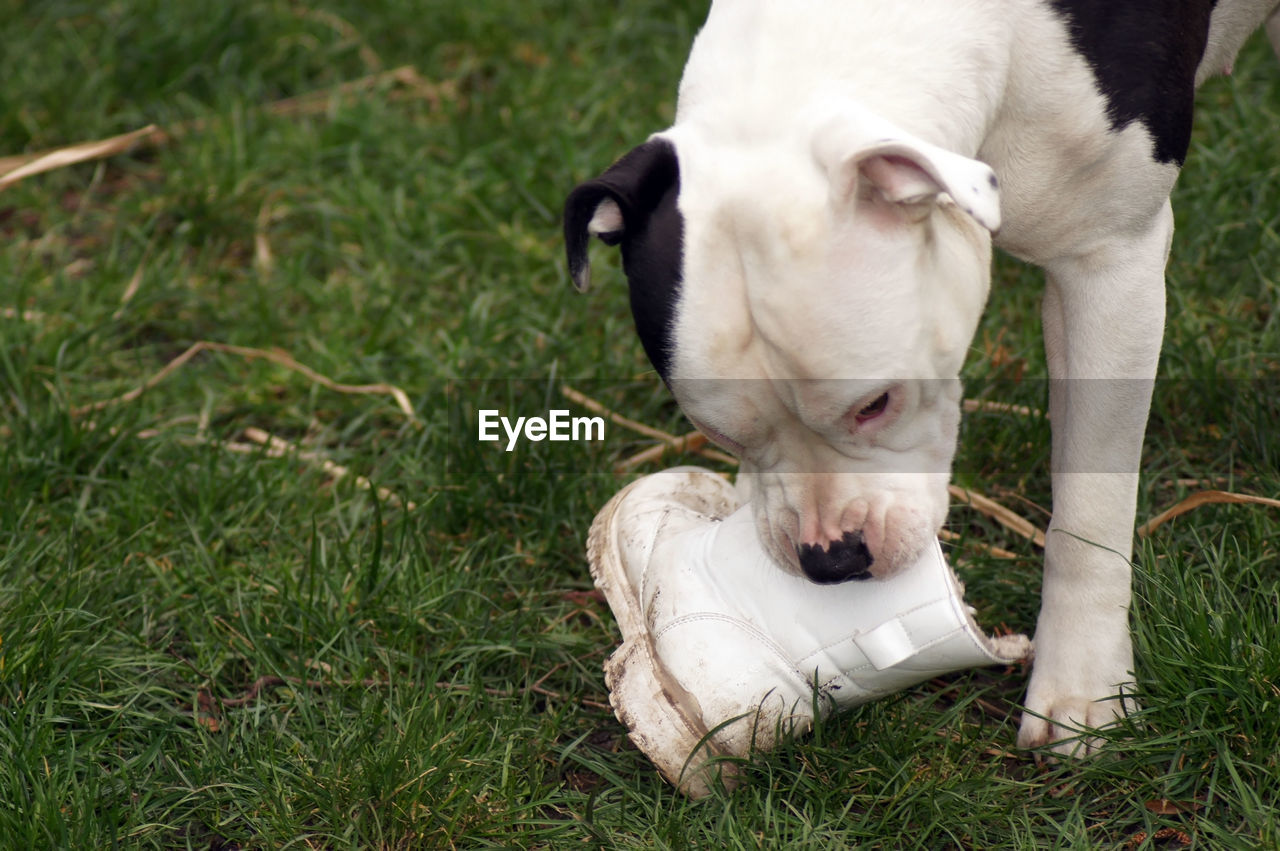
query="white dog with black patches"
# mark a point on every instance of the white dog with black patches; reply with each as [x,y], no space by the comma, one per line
[808,250]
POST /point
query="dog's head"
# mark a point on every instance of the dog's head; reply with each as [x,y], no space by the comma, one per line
[809,299]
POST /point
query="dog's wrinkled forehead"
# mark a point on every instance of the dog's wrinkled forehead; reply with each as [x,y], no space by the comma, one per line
[787,279]
[756,261]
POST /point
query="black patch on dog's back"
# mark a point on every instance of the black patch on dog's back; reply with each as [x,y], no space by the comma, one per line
[1144,55]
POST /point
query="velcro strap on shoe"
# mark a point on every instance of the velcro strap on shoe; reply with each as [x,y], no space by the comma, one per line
[902,637]
[886,645]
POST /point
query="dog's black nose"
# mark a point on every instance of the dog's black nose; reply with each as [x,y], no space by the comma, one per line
[845,559]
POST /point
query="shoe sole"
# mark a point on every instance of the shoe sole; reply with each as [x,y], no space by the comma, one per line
[662,719]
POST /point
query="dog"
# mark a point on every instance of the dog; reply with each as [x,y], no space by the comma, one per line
[808,253]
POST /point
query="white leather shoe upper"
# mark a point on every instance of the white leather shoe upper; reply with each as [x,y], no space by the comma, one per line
[737,637]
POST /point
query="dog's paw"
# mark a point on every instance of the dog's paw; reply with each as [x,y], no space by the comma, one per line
[1082,678]
[1066,725]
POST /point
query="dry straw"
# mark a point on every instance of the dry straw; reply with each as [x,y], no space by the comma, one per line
[405,80]
[275,356]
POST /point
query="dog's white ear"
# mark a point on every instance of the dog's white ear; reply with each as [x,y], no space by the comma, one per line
[618,203]
[859,148]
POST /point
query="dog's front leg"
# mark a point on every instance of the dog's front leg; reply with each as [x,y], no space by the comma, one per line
[1103,323]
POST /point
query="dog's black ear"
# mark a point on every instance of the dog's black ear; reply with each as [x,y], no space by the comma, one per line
[617,202]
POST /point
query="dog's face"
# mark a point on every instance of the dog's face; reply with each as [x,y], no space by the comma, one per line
[809,302]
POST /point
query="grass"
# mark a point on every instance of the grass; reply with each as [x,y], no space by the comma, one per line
[433,675]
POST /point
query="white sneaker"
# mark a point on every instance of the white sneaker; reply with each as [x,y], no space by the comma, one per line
[723,652]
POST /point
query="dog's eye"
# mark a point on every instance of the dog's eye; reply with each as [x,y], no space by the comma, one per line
[874,409]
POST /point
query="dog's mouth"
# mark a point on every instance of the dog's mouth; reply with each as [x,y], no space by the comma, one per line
[855,555]
[717,437]
[839,528]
